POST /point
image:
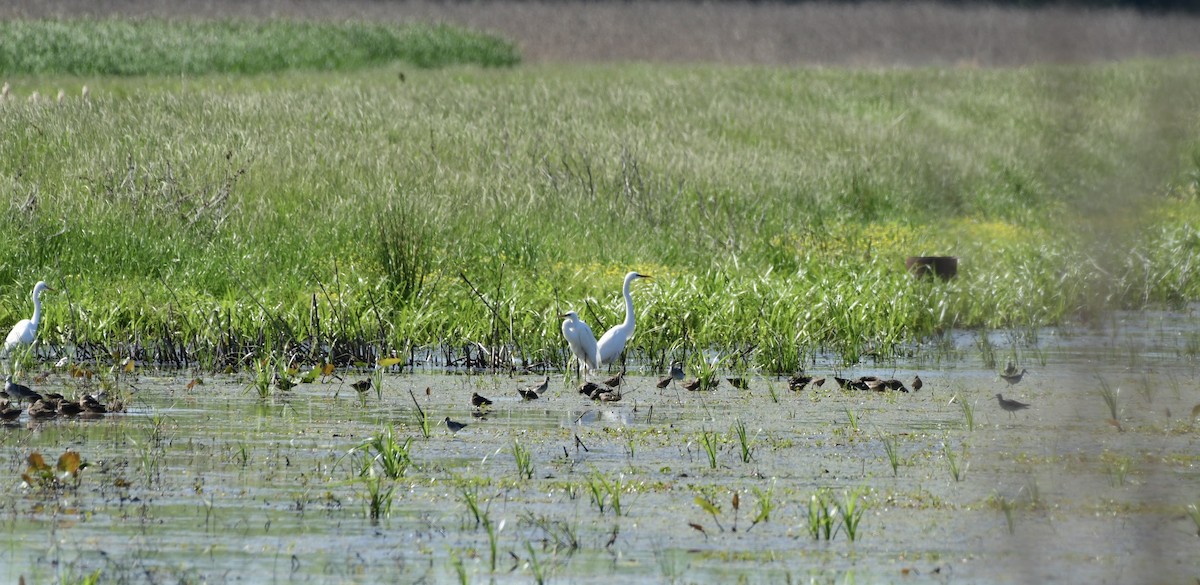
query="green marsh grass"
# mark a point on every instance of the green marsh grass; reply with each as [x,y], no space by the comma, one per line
[956,463]
[745,443]
[523,459]
[168,224]
[851,507]
[171,47]
[889,447]
[821,515]
[711,444]
[1109,395]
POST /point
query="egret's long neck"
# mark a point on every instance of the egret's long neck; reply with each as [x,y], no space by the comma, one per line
[37,309]
[629,321]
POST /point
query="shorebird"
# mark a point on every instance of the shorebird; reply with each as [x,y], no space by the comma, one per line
[797,382]
[590,389]
[478,401]
[532,392]
[917,383]
[42,409]
[612,382]
[18,392]
[1011,406]
[68,408]
[674,375]
[818,382]
[739,383]
[9,411]
[1013,378]
[362,385]
[694,385]
[454,426]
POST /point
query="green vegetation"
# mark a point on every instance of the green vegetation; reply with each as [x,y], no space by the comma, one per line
[168,47]
[341,217]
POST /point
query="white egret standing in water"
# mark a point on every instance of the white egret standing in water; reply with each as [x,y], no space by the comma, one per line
[25,331]
[582,341]
[612,343]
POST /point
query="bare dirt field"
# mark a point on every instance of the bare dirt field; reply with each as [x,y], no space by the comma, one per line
[872,34]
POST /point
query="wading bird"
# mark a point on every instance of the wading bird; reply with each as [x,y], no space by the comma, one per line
[454,426]
[612,343]
[581,340]
[1014,377]
[917,383]
[675,374]
[1011,406]
[616,380]
[362,386]
[479,401]
[18,392]
[532,392]
[25,331]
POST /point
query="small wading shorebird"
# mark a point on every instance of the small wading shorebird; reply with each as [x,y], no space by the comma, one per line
[454,426]
[674,375]
[361,385]
[1014,377]
[917,383]
[479,401]
[18,392]
[532,392]
[1010,406]
[614,381]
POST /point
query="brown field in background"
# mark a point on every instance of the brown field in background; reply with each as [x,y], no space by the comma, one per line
[865,34]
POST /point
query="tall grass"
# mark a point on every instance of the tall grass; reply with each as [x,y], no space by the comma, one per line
[170,47]
[217,216]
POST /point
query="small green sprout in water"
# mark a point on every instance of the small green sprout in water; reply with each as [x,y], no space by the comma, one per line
[968,412]
[707,502]
[765,505]
[469,491]
[459,569]
[379,498]
[392,456]
[746,444]
[493,532]
[1118,468]
[709,441]
[535,567]
[852,419]
[1193,511]
[851,508]
[1110,399]
[889,446]
[821,515]
[524,460]
[1006,506]
[604,493]
[957,463]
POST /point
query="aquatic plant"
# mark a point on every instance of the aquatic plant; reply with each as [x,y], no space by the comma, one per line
[851,419]
[968,412]
[745,443]
[956,463]
[889,446]
[710,443]
[1109,395]
[707,502]
[41,476]
[605,493]
[378,497]
[535,566]
[384,449]
[765,504]
[469,491]
[851,507]
[523,459]
[1006,506]
[821,515]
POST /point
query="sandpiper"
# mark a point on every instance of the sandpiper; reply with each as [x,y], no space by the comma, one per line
[41,409]
[675,374]
[362,385]
[479,401]
[739,383]
[454,426]
[612,382]
[9,411]
[590,389]
[797,382]
[917,383]
[817,383]
[1013,378]
[1011,405]
[18,392]
[532,392]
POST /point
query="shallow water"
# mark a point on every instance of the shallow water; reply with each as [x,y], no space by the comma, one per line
[213,485]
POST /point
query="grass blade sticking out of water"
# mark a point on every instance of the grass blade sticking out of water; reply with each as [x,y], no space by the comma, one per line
[1110,395]
[746,444]
[764,506]
[524,460]
[821,515]
[889,446]
[851,508]
[708,440]
[968,412]
[956,463]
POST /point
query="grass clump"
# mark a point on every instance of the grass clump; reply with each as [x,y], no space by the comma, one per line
[171,47]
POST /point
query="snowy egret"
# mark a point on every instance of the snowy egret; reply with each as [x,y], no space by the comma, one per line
[24,332]
[1011,405]
[581,340]
[612,343]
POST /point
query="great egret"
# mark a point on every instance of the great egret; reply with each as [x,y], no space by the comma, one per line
[1011,405]
[612,343]
[25,331]
[582,341]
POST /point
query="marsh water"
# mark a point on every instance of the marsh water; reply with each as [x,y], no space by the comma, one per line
[207,483]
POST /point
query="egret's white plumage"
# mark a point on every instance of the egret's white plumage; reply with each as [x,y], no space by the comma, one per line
[612,343]
[24,332]
[581,339]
